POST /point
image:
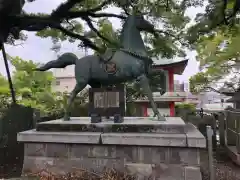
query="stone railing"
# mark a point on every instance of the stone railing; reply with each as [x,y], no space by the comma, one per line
[233,128]
[229,131]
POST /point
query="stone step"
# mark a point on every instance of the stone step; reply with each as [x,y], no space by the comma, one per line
[192,138]
[172,125]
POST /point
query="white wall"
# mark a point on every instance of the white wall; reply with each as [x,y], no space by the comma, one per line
[210,98]
[64,84]
[65,80]
[163,111]
[65,72]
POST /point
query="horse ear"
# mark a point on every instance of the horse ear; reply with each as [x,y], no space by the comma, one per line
[134,10]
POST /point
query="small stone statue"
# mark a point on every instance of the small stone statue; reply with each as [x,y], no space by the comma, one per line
[115,66]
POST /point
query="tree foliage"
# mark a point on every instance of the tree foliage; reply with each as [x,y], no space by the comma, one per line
[24,76]
[87,22]
[198,82]
[216,38]
[32,88]
[187,107]
[3,81]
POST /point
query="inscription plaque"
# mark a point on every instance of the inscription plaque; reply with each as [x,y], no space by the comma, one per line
[107,101]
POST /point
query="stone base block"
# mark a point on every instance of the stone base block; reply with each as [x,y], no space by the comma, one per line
[144,162]
[191,138]
[166,154]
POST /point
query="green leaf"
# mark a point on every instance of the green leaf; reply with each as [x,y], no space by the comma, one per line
[230,4]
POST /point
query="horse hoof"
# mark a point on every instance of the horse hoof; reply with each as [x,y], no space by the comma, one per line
[66,118]
[161,118]
[95,118]
[118,118]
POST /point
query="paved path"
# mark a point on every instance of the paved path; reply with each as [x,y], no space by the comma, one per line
[224,167]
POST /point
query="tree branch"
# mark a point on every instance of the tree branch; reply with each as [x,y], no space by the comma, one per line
[99,7]
[63,9]
[90,24]
[31,23]
[223,11]
[34,23]
[37,23]
[171,35]
[165,32]
[235,10]
[235,72]
[86,41]
[213,89]
[225,19]
[79,14]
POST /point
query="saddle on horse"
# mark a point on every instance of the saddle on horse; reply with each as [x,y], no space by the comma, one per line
[107,56]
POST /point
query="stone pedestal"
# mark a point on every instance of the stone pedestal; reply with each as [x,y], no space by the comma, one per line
[145,148]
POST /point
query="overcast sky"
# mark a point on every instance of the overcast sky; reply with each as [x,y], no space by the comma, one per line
[38,49]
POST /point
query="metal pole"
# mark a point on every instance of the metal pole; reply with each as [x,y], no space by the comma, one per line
[8,73]
[210,153]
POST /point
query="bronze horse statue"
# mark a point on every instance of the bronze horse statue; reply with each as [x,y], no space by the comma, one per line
[126,63]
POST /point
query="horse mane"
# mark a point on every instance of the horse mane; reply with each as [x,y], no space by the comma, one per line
[126,23]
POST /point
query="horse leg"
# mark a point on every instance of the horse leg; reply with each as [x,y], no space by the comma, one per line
[147,90]
[78,87]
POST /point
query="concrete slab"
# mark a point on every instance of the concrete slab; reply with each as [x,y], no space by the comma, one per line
[163,150]
[194,137]
[193,173]
[127,120]
[233,154]
[143,132]
[144,139]
[59,137]
[130,124]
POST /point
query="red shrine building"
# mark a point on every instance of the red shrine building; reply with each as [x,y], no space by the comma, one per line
[166,101]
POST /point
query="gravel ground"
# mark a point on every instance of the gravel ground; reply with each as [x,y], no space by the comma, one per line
[225,169]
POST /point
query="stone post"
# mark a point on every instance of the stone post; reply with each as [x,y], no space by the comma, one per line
[237,119]
[231,136]
[221,119]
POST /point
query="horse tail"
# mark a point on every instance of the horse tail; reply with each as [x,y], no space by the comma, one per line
[64,60]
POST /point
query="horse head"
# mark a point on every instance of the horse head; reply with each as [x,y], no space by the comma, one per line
[143,24]
[140,22]
[130,36]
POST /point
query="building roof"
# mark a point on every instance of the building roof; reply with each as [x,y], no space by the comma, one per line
[215,107]
[178,66]
[235,98]
[170,97]
[164,61]
[228,91]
